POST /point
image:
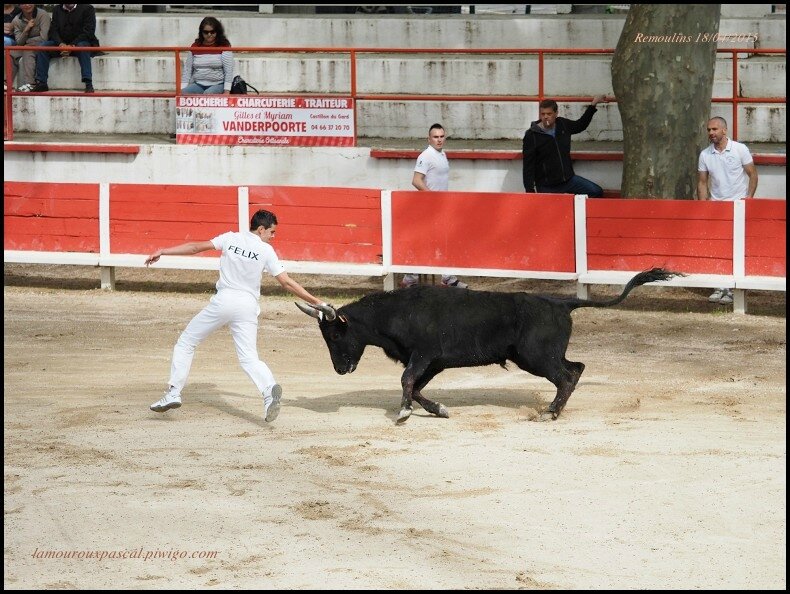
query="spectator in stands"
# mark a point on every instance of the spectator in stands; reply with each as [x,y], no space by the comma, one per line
[72,24]
[432,173]
[9,13]
[208,72]
[729,167]
[31,27]
[547,152]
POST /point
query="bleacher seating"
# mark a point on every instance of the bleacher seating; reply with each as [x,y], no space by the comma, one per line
[425,73]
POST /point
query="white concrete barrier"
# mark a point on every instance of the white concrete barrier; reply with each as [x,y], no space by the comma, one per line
[300,166]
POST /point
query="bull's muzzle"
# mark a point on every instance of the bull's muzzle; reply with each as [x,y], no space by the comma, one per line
[322,311]
[346,368]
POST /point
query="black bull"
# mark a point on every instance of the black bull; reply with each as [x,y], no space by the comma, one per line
[430,329]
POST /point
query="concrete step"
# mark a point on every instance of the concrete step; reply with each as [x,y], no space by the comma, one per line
[389,119]
[448,31]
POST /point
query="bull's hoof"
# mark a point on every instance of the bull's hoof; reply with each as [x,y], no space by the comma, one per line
[443,412]
[404,414]
[548,416]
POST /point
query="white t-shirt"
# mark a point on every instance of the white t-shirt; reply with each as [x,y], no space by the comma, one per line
[434,165]
[245,257]
[728,180]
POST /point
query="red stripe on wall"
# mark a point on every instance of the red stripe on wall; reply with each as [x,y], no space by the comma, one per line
[652,247]
[52,242]
[146,217]
[654,228]
[642,262]
[315,251]
[51,217]
[687,236]
[328,217]
[478,230]
[766,238]
[648,208]
[159,231]
[176,212]
[56,208]
[323,224]
[157,193]
[275,196]
[308,233]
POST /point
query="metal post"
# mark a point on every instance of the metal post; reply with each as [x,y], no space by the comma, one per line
[107,277]
[8,97]
[735,95]
[353,58]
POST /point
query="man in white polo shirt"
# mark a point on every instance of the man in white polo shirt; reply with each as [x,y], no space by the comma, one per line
[729,167]
[432,173]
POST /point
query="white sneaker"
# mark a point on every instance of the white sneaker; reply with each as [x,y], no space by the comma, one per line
[409,280]
[716,296]
[453,281]
[25,88]
[166,402]
[272,409]
[726,298]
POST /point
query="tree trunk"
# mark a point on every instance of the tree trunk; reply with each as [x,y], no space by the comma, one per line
[662,75]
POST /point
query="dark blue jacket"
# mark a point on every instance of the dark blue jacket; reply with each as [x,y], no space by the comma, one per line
[75,26]
[547,158]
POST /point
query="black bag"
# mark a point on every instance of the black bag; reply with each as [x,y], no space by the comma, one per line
[240,86]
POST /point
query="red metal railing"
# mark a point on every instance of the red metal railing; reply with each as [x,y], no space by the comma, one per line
[735,99]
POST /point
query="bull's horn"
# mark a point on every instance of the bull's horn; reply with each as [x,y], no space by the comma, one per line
[309,310]
[329,312]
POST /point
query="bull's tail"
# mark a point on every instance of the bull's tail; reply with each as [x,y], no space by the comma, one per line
[648,276]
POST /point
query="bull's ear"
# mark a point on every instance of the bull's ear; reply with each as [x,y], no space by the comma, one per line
[343,319]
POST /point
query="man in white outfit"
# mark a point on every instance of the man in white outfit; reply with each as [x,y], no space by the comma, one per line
[246,255]
[432,173]
[729,167]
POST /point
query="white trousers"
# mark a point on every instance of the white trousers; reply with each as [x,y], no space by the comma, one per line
[239,311]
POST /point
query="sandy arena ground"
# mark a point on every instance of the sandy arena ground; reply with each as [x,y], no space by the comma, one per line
[667,469]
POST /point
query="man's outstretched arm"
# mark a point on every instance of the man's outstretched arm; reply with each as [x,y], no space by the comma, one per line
[185,249]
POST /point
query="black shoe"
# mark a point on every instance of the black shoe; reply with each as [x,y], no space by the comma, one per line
[89,88]
[39,87]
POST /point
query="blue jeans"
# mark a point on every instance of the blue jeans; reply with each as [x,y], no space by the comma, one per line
[43,58]
[575,185]
[198,89]
[8,40]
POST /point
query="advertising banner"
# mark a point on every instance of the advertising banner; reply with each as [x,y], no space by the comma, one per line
[264,121]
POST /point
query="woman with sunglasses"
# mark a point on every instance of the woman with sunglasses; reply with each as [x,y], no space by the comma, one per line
[208,72]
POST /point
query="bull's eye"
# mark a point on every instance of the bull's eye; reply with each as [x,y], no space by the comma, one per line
[335,336]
